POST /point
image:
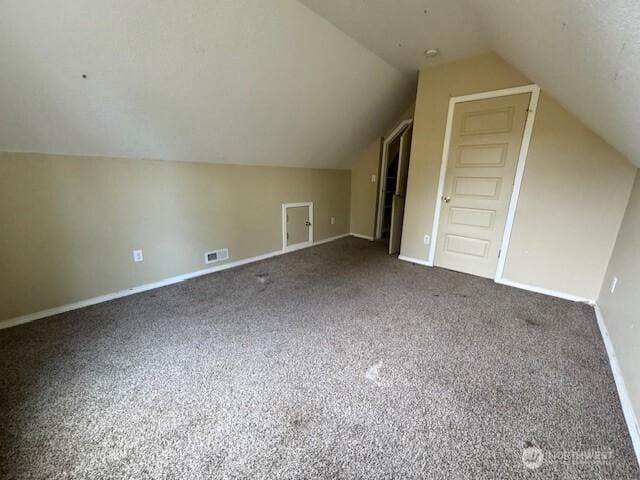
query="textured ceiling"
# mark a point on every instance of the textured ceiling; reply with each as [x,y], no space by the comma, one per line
[256,82]
[586,53]
[242,81]
[401,31]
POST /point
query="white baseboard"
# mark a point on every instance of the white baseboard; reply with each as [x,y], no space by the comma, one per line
[545,291]
[510,283]
[623,394]
[415,260]
[364,237]
[150,286]
[330,239]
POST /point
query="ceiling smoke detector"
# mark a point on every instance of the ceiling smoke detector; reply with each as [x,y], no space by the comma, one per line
[432,52]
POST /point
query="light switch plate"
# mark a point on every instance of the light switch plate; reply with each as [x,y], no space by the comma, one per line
[427,239]
[137,256]
[373,178]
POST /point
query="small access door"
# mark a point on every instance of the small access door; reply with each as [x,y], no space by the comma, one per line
[297,225]
[397,208]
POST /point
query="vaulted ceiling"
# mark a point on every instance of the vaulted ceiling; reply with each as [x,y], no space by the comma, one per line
[277,83]
[401,31]
[586,53]
[242,81]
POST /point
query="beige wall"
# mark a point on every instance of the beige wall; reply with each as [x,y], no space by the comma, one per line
[364,192]
[69,224]
[573,193]
[573,196]
[621,309]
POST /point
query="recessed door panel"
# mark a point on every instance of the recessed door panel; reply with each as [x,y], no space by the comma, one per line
[499,120]
[485,143]
[482,155]
[477,187]
[475,247]
[472,217]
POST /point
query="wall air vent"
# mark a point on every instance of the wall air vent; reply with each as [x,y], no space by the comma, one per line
[216,255]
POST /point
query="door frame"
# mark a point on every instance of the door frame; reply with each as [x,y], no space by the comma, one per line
[382,173]
[534,90]
[285,247]
[394,203]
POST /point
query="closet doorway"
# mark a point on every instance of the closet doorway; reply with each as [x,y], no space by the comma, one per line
[394,171]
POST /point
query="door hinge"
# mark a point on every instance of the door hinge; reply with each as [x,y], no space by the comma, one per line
[287,235]
[499,253]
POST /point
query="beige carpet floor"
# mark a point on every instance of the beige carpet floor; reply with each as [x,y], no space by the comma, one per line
[335,362]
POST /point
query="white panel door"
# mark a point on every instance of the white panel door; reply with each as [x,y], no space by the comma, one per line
[486,136]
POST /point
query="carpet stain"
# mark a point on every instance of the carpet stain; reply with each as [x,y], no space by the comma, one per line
[262,278]
[373,374]
[533,321]
[298,422]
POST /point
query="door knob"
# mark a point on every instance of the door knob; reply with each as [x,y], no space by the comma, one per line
[307,223]
[446,199]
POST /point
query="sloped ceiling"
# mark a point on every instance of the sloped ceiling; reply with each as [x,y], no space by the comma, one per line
[586,53]
[400,31]
[242,81]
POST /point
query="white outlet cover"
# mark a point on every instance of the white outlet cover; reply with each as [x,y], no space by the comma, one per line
[333,220]
[373,178]
[427,239]
[137,256]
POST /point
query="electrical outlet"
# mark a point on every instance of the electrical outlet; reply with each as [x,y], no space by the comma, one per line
[137,256]
[614,282]
[427,239]
[373,178]
[333,220]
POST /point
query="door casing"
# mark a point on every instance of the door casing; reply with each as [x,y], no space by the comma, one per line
[397,209]
[382,174]
[285,206]
[522,157]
